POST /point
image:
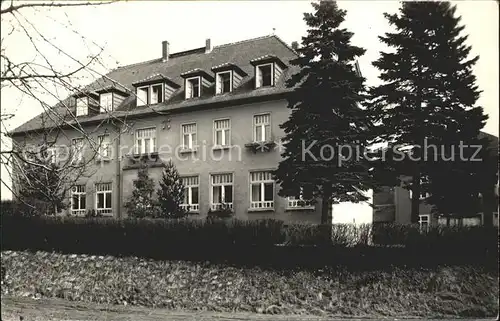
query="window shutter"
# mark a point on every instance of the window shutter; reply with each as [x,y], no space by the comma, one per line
[219,84]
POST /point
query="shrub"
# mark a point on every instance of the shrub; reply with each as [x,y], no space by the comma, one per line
[141,202]
[224,211]
[171,193]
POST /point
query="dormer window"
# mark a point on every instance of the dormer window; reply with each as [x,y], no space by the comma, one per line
[193,87]
[264,75]
[153,90]
[110,98]
[85,103]
[82,106]
[106,102]
[224,82]
[196,82]
[268,70]
[150,95]
[227,77]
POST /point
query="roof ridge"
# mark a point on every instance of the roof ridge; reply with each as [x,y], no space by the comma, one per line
[242,41]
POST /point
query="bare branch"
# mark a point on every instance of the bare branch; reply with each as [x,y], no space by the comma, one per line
[12,8]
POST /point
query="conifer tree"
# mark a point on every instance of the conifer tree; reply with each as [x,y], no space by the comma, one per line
[326,122]
[428,98]
[141,203]
[171,193]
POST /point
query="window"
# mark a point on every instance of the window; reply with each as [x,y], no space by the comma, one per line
[224,82]
[145,141]
[150,95]
[261,190]
[82,106]
[104,148]
[156,94]
[103,198]
[191,194]
[424,182]
[262,128]
[299,202]
[192,87]
[264,75]
[424,221]
[78,199]
[189,136]
[106,102]
[142,96]
[77,150]
[222,134]
[52,154]
[222,190]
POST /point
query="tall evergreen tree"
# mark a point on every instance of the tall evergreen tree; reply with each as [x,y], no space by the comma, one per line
[428,98]
[171,192]
[326,122]
[141,202]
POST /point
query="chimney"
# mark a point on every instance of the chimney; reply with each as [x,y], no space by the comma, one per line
[295,45]
[208,46]
[164,51]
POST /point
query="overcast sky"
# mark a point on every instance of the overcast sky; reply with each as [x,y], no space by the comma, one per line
[133,31]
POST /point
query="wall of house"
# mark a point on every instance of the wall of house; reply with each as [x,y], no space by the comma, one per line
[93,171]
[237,160]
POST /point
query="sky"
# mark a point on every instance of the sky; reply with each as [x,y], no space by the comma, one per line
[132,32]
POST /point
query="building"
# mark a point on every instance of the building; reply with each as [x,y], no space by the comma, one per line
[215,111]
[393,204]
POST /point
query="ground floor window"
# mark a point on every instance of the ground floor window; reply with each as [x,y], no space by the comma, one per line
[191,194]
[222,190]
[103,198]
[261,190]
[424,221]
[298,202]
[78,199]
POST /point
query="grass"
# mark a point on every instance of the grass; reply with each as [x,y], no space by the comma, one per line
[444,291]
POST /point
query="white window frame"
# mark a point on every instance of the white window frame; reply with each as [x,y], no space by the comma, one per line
[299,203]
[106,108]
[107,210]
[219,85]
[214,205]
[149,94]
[421,221]
[82,106]
[190,182]
[262,128]
[192,142]
[262,204]
[80,192]
[258,72]
[103,148]
[189,90]
[77,146]
[140,100]
[152,141]
[160,98]
[223,129]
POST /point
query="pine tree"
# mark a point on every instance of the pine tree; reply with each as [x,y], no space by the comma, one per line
[41,190]
[428,98]
[141,203]
[325,115]
[171,193]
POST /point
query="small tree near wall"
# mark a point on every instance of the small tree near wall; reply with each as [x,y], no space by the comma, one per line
[171,193]
[141,203]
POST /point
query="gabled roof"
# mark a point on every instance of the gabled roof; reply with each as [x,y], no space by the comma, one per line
[123,78]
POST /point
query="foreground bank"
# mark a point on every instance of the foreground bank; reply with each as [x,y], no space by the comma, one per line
[437,292]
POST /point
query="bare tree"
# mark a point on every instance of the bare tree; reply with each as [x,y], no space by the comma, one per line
[47,76]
